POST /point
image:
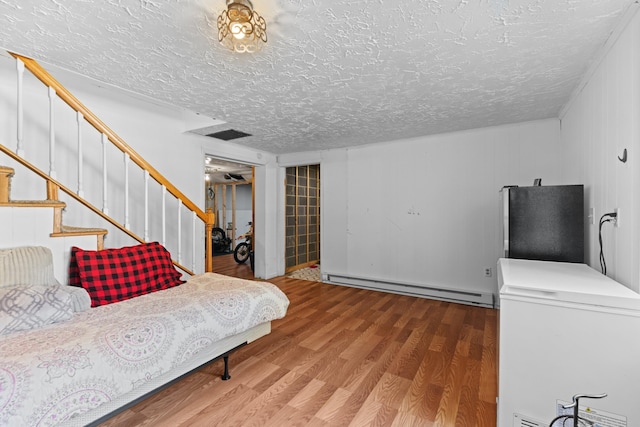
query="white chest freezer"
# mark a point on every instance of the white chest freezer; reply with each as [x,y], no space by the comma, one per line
[566,329]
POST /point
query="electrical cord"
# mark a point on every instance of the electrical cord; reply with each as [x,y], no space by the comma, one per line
[610,217]
[576,422]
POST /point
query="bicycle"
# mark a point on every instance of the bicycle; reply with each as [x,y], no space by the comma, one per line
[243,249]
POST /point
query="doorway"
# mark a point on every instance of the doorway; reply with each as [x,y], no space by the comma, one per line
[229,192]
[302,213]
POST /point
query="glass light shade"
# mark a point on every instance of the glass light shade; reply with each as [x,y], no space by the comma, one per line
[240,28]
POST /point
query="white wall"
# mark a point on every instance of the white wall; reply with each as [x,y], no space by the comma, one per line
[600,122]
[32,227]
[267,211]
[426,210]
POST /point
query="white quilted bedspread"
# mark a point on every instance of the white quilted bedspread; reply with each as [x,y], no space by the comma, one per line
[49,374]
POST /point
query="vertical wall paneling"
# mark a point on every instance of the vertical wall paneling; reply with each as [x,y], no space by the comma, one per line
[268,208]
[425,211]
[32,226]
[635,136]
[599,123]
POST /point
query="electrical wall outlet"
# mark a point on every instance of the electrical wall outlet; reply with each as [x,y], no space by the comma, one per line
[617,221]
[592,216]
[488,272]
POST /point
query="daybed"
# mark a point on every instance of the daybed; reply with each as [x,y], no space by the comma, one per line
[79,371]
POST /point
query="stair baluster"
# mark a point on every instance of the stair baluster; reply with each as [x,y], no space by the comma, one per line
[20,129]
[127,223]
[164,215]
[79,120]
[179,231]
[105,176]
[52,134]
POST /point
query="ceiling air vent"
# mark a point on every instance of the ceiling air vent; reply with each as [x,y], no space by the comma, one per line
[228,135]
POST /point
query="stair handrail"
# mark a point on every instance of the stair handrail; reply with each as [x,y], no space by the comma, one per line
[81,200]
[63,93]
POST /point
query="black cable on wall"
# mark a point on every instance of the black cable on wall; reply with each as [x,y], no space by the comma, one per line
[608,217]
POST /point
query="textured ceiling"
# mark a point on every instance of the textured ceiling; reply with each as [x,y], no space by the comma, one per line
[334,73]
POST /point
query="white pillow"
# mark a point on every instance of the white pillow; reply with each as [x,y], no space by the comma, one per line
[27,265]
[80,299]
[29,307]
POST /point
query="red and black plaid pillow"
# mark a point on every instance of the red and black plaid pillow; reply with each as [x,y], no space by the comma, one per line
[112,275]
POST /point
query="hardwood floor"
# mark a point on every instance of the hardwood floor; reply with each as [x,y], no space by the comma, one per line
[343,357]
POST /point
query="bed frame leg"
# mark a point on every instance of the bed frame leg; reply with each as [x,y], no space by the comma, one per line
[225,357]
[226,375]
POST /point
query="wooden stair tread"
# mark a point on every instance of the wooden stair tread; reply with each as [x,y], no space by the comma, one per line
[79,231]
[34,204]
[6,170]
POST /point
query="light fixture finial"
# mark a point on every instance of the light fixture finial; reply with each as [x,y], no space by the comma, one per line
[240,28]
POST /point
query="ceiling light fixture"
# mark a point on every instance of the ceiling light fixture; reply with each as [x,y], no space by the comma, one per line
[240,28]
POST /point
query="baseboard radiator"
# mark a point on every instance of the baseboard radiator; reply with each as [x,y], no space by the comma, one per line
[483,299]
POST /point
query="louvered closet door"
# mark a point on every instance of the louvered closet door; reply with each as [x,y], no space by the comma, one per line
[302,217]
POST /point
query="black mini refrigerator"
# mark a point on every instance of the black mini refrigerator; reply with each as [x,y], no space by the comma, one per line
[544,222]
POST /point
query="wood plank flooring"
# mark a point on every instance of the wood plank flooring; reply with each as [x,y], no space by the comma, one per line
[343,357]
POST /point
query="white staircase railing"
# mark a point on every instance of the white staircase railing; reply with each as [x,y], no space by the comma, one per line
[153,181]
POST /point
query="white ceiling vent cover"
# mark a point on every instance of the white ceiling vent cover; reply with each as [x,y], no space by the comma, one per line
[522,421]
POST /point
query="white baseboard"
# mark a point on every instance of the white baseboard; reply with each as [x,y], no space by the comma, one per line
[482,299]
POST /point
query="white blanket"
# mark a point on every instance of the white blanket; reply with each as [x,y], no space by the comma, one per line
[50,374]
